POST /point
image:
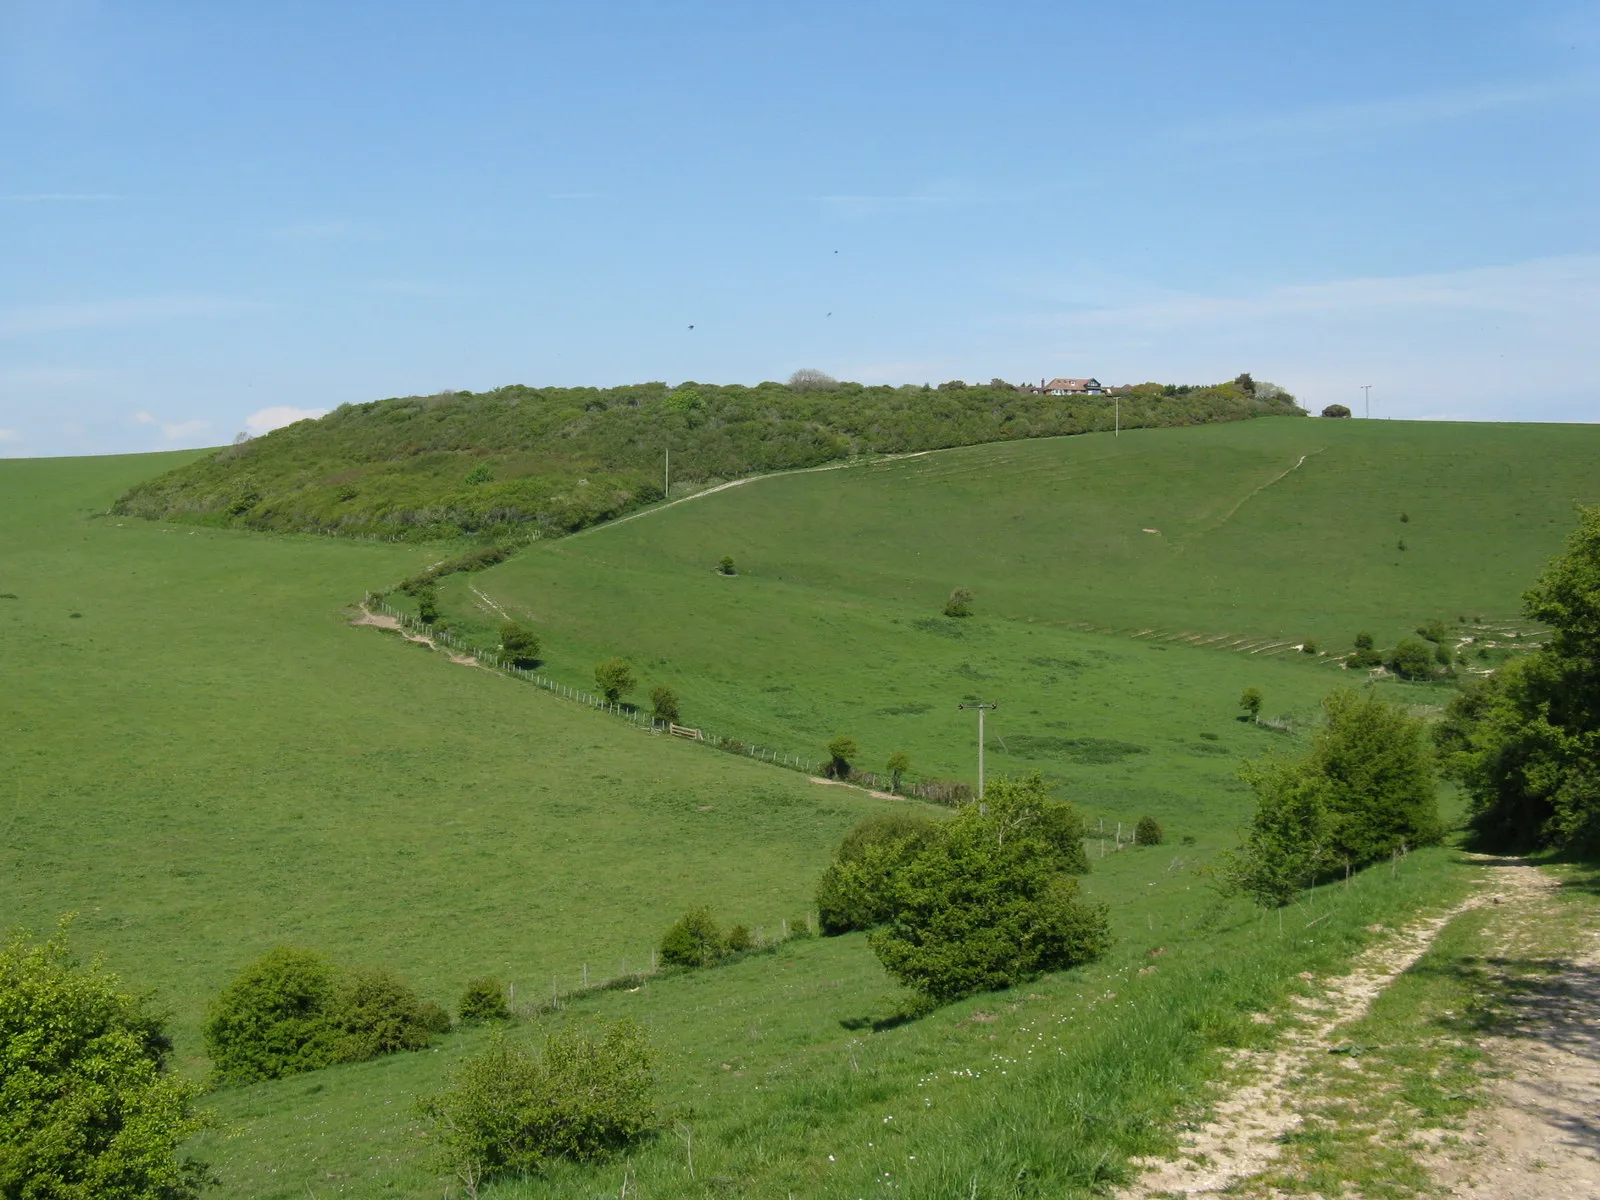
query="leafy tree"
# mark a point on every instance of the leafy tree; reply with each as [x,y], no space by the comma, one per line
[1250,700]
[375,1012]
[1148,832]
[1364,791]
[1336,410]
[725,565]
[1245,384]
[1526,742]
[519,643]
[664,704]
[427,605]
[841,750]
[694,940]
[1411,659]
[959,604]
[484,999]
[809,379]
[740,939]
[614,678]
[507,1112]
[854,891]
[986,904]
[88,1106]
[1308,646]
[899,763]
[273,1019]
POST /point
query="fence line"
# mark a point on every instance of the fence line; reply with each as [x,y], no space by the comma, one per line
[939,793]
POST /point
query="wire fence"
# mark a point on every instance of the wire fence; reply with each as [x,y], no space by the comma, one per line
[937,791]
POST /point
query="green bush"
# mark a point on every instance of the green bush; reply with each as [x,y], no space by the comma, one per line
[664,704]
[519,644]
[483,1000]
[1250,700]
[1148,832]
[273,1019]
[853,891]
[88,1106]
[614,678]
[841,749]
[740,939]
[1364,791]
[507,1112]
[694,940]
[800,928]
[435,1018]
[899,763]
[375,1012]
[986,904]
[959,603]
[1411,659]
[427,606]
[1365,654]
[725,565]
[292,1010]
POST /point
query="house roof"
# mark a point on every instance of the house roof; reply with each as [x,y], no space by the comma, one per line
[1071,385]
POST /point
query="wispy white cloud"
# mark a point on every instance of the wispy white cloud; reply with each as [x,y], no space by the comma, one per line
[174,430]
[276,417]
[1393,113]
[51,318]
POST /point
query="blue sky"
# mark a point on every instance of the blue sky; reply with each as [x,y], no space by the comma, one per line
[212,216]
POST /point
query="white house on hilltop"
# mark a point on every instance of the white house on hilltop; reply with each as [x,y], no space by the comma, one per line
[1070,387]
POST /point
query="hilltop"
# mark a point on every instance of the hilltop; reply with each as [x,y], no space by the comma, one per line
[520,461]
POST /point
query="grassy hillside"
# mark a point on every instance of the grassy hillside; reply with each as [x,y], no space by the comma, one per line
[1270,532]
[519,461]
[209,760]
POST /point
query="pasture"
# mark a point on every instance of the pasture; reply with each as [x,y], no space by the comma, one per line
[207,760]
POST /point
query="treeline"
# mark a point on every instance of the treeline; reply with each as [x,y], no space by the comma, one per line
[519,460]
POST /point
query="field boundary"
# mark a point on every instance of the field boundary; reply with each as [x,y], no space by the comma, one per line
[410,628]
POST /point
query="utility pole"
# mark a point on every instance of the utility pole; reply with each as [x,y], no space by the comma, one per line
[982,708]
[1366,389]
[1116,408]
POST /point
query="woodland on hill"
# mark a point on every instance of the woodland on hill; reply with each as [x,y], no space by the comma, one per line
[521,460]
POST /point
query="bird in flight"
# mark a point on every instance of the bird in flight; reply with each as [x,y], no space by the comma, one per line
[691,327]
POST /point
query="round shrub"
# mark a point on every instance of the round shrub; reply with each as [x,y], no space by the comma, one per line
[740,939]
[1336,410]
[375,1012]
[694,940]
[519,644]
[483,1000]
[959,603]
[1148,832]
[854,891]
[273,1019]
[664,704]
[841,750]
[1412,658]
[435,1018]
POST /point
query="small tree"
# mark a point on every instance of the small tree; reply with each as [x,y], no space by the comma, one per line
[519,643]
[484,999]
[1148,832]
[899,763]
[1336,410]
[614,678]
[959,604]
[694,940]
[427,605]
[841,750]
[274,1018]
[853,892]
[985,903]
[88,1106]
[809,379]
[725,565]
[1365,655]
[1245,384]
[1250,701]
[664,704]
[374,1011]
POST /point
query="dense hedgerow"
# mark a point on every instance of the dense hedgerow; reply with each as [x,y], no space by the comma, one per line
[552,460]
[292,1010]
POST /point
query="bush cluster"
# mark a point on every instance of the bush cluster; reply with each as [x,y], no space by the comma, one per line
[854,891]
[484,999]
[508,1112]
[292,1010]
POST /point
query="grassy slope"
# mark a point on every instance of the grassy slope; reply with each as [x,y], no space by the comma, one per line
[211,762]
[832,624]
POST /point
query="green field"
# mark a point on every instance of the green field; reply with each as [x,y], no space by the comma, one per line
[203,759]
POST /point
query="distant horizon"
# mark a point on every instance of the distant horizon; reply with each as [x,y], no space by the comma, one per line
[211,215]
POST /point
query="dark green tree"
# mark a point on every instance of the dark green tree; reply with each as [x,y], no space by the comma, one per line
[274,1019]
[664,704]
[986,904]
[88,1104]
[1250,700]
[519,644]
[427,605]
[841,750]
[1366,654]
[614,678]
[1148,832]
[694,940]
[484,999]
[854,891]
[725,565]
[1412,658]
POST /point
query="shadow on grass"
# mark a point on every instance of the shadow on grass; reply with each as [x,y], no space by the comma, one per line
[880,1024]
